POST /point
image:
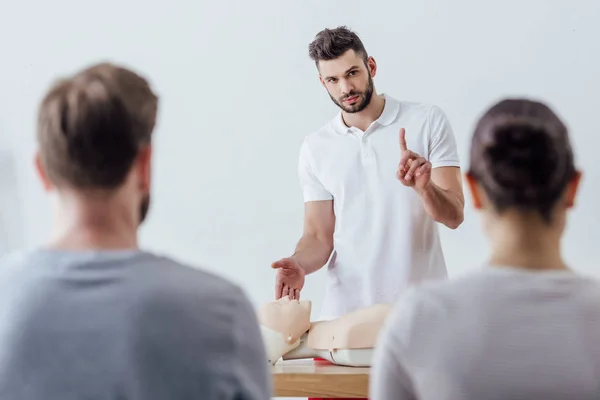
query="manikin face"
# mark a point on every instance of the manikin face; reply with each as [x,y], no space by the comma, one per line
[288,317]
[348,80]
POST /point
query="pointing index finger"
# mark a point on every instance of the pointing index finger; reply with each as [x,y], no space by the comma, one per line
[402,136]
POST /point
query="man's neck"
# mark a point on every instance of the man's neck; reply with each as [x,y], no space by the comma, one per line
[93,224]
[87,238]
[362,120]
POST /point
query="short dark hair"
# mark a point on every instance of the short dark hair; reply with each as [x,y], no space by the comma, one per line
[522,157]
[92,125]
[329,44]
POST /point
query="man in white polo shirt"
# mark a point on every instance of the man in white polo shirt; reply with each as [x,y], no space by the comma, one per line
[377,179]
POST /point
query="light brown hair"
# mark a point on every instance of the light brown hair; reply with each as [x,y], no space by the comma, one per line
[92,125]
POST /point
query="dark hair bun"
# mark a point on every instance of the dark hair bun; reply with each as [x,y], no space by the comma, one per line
[524,162]
[521,156]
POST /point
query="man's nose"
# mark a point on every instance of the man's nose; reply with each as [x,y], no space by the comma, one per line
[346,86]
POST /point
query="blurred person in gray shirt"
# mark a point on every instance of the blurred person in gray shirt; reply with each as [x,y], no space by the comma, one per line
[92,316]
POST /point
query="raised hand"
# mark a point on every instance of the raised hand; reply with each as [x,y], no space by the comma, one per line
[289,280]
[413,170]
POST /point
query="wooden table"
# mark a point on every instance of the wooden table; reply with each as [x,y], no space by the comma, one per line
[308,378]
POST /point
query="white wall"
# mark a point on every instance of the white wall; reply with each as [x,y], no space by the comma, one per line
[11,230]
[238,94]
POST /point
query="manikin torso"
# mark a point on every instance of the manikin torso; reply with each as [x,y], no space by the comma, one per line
[347,340]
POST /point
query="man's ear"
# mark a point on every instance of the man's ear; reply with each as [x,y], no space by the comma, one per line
[144,167]
[474,190]
[372,66]
[41,172]
[572,189]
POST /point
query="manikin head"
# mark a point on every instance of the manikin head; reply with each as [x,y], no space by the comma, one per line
[522,170]
[94,141]
[345,69]
[283,322]
[291,318]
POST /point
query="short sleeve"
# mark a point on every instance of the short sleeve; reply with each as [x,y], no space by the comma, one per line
[312,188]
[443,151]
[250,364]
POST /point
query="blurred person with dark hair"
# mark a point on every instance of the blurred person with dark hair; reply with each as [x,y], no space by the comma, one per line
[91,315]
[525,325]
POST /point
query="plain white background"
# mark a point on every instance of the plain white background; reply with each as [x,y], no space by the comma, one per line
[238,94]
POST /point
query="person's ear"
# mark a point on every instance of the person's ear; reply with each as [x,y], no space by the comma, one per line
[572,189]
[144,167]
[372,66]
[41,172]
[474,190]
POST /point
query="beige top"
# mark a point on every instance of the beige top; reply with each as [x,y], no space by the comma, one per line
[495,334]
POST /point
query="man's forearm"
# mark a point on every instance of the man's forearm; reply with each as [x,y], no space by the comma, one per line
[443,205]
[312,253]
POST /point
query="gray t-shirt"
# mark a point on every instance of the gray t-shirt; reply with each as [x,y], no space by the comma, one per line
[125,325]
[497,334]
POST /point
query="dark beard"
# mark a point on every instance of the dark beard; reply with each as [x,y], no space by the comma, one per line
[144,207]
[368,94]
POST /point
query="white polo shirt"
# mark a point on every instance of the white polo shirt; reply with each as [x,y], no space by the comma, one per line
[384,240]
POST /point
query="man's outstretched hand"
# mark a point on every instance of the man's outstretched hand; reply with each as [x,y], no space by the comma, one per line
[413,170]
[289,280]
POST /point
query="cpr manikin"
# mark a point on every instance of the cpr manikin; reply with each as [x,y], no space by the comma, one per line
[282,324]
[348,340]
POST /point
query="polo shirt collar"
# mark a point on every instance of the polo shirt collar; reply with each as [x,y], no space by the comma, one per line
[387,117]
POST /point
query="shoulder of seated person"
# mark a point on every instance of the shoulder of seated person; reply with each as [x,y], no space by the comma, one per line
[443,295]
[197,280]
[419,298]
